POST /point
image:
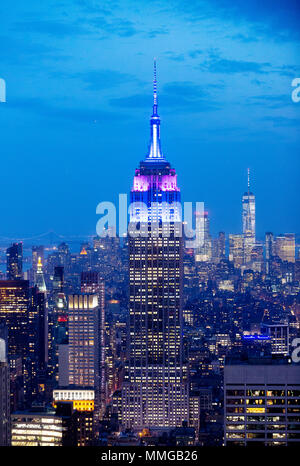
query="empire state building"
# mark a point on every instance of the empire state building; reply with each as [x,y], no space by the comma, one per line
[155,390]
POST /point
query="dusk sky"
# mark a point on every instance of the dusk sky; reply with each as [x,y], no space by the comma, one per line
[75,123]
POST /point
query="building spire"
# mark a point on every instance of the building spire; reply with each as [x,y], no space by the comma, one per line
[248,180]
[40,280]
[154,152]
[154,88]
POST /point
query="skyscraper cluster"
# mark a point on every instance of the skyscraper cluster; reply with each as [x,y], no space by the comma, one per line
[145,341]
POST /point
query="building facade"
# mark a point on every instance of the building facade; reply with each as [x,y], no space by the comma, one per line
[236,250]
[14,311]
[92,283]
[37,429]
[285,247]
[83,340]
[261,402]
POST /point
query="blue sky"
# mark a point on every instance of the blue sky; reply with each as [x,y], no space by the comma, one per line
[76,121]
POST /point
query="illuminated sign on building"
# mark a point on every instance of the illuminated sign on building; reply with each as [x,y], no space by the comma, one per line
[256,337]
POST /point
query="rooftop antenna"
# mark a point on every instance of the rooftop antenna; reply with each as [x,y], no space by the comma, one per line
[154,88]
[248,180]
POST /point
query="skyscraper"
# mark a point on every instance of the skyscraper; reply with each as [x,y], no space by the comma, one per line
[236,249]
[218,247]
[248,218]
[92,283]
[57,319]
[37,252]
[4,397]
[83,340]
[261,401]
[204,252]
[39,277]
[58,280]
[38,328]
[84,348]
[155,391]
[14,256]
[270,250]
[285,247]
[14,311]
[279,337]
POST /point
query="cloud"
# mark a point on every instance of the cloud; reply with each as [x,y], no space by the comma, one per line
[175,56]
[273,18]
[186,89]
[14,51]
[156,32]
[185,97]
[59,29]
[280,121]
[243,38]
[226,66]
[195,53]
[288,70]
[258,82]
[118,26]
[43,108]
[104,79]
[188,97]
[96,80]
[90,7]
[133,101]
[270,100]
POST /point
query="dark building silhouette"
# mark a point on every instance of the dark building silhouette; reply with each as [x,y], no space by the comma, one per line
[5,427]
[14,311]
[14,255]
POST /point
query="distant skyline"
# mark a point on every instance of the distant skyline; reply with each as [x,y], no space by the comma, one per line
[79,93]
